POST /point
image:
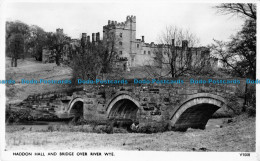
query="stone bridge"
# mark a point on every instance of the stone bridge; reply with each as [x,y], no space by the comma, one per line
[177,106]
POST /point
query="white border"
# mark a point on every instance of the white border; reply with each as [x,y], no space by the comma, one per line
[125,155]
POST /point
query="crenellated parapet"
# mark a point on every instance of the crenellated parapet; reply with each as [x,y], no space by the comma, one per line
[120,25]
[131,18]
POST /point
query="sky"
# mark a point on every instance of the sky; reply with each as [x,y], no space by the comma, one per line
[151,18]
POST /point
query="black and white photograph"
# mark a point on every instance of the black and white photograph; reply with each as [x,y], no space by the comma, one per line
[129,80]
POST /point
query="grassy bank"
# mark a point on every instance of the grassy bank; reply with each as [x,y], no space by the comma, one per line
[238,135]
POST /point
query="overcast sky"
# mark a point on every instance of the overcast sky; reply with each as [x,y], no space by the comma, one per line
[152,18]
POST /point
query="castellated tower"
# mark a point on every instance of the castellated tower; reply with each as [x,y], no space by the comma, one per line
[123,35]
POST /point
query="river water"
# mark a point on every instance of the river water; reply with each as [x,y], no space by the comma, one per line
[214,123]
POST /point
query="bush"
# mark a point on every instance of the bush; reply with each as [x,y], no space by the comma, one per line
[221,115]
[87,128]
[100,129]
[152,128]
[250,104]
[119,130]
[50,128]
[18,116]
[251,111]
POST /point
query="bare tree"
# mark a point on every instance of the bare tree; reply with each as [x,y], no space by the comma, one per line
[228,60]
[93,59]
[59,41]
[36,42]
[247,10]
[239,55]
[16,44]
[17,34]
[178,34]
[86,62]
[108,50]
[174,55]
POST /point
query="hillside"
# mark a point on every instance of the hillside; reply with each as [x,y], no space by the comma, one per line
[29,69]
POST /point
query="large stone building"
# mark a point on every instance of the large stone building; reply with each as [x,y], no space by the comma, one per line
[140,53]
[135,52]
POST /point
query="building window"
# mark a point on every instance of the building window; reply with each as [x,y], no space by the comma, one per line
[120,43]
[121,52]
[144,52]
[149,52]
[121,34]
[137,45]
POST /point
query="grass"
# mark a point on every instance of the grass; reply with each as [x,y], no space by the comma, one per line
[84,128]
[238,135]
[19,141]
[29,69]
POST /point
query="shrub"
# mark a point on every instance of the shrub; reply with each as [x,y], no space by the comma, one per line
[18,116]
[100,129]
[250,104]
[251,111]
[221,115]
[152,128]
[119,130]
[50,128]
[87,128]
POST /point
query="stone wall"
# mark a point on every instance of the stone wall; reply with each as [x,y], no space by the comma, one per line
[145,103]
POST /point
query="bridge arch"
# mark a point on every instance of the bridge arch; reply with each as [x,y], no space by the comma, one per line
[123,106]
[196,110]
[75,107]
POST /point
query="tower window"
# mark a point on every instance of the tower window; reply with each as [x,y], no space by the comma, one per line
[144,52]
[121,52]
[120,43]
[137,45]
[121,34]
[149,52]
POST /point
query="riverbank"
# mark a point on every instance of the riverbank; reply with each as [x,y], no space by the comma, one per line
[237,135]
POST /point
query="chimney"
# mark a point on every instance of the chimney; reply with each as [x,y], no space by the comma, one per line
[88,38]
[173,42]
[142,38]
[84,35]
[97,37]
[184,44]
[59,31]
[93,37]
